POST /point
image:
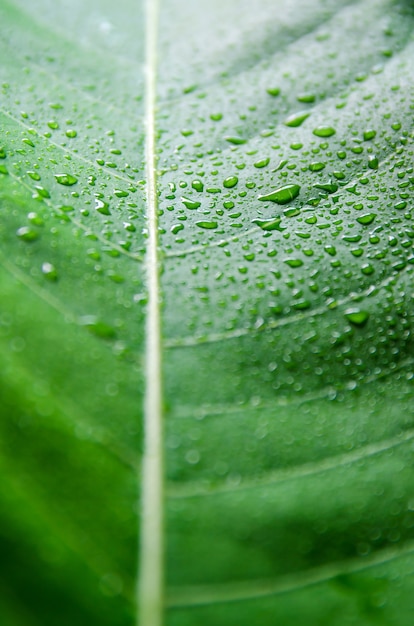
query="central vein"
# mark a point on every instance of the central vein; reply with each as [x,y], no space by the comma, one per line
[151,577]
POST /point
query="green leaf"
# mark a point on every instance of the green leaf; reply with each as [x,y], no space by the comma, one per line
[206,281]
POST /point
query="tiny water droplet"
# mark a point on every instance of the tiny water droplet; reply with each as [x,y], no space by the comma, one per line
[49,271]
[71,133]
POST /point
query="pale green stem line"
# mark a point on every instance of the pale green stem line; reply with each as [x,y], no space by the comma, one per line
[150,590]
[254,589]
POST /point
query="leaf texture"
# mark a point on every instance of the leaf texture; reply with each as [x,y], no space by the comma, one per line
[282,151]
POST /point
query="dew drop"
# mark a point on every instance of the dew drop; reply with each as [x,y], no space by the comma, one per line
[261,163]
[230,182]
[237,141]
[297,119]
[49,271]
[366,219]
[324,131]
[373,162]
[282,195]
[102,207]
[273,91]
[269,224]
[356,316]
[190,204]
[207,225]
[66,179]
[33,175]
[25,233]
[197,185]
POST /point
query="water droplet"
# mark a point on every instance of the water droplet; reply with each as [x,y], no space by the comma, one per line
[41,192]
[197,185]
[357,317]
[71,133]
[230,182]
[237,141]
[328,187]
[306,97]
[282,195]
[269,224]
[34,175]
[66,179]
[262,163]
[366,219]
[316,166]
[207,225]
[25,233]
[273,91]
[35,219]
[294,262]
[373,162]
[297,119]
[190,204]
[53,125]
[120,193]
[369,134]
[324,131]
[49,271]
[216,117]
[102,207]
[97,327]
[176,228]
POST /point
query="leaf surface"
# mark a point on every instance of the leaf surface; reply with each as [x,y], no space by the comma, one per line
[284,147]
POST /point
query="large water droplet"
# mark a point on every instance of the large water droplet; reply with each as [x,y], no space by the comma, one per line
[282,195]
[190,204]
[207,225]
[357,316]
[66,179]
[102,207]
[296,119]
[230,182]
[324,131]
